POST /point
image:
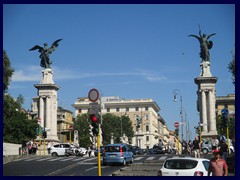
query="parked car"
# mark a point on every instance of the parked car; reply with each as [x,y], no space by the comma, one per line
[207,147]
[136,150]
[184,166]
[117,153]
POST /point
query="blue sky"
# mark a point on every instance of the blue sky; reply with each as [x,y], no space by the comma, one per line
[128,50]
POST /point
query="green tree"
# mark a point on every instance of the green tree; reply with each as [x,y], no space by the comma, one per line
[222,129]
[82,124]
[20,99]
[231,67]
[17,127]
[116,125]
[7,71]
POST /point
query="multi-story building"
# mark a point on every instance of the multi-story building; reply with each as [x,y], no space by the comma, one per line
[227,102]
[64,125]
[151,127]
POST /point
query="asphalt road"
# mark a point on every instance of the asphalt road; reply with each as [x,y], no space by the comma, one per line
[57,166]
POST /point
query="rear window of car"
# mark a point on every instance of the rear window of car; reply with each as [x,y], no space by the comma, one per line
[114,149]
[180,164]
[206,165]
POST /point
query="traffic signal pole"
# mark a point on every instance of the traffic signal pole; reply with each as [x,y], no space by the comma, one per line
[99,157]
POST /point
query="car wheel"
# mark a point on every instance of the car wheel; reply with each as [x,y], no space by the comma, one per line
[54,154]
[124,162]
[205,151]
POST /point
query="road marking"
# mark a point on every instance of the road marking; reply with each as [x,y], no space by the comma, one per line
[163,157]
[138,158]
[43,159]
[67,159]
[32,159]
[91,168]
[150,158]
[56,159]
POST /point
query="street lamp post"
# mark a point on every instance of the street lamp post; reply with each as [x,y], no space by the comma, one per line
[175,93]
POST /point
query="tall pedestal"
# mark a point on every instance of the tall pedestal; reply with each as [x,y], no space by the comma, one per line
[206,100]
[48,104]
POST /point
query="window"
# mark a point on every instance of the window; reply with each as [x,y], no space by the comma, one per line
[79,110]
[146,108]
[108,109]
[117,109]
[147,138]
[146,116]
[136,108]
[147,128]
[127,108]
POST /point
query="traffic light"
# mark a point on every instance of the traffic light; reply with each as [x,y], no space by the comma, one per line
[176,131]
[95,123]
[225,120]
[225,113]
[197,129]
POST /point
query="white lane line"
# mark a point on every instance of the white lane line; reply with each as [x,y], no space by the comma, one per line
[138,158]
[150,158]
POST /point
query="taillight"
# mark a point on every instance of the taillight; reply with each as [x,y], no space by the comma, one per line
[198,173]
[159,173]
[121,152]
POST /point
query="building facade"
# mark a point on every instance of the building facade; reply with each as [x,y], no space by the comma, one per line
[227,102]
[152,124]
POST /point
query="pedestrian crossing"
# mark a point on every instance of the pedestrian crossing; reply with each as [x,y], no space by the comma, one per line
[86,159]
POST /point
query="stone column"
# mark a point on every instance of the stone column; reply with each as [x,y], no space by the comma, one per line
[41,110]
[212,124]
[204,111]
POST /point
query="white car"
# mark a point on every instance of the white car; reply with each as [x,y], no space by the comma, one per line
[59,149]
[184,166]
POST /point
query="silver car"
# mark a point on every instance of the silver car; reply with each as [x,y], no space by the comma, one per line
[207,147]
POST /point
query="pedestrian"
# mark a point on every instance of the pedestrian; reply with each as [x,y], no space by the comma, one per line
[196,147]
[215,143]
[217,166]
[184,147]
[89,151]
[190,146]
[49,145]
[223,150]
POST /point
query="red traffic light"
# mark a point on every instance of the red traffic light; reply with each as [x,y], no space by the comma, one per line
[94,118]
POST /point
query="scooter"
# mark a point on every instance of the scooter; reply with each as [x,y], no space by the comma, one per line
[73,152]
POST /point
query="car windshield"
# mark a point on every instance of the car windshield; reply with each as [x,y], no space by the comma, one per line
[180,164]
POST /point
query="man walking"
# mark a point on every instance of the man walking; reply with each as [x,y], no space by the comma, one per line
[217,166]
[196,147]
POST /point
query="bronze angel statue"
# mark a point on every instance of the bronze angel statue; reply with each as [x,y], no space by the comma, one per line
[205,45]
[44,53]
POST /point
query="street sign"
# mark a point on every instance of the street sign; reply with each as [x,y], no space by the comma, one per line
[224,112]
[176,124]
[93,95]
[71,127]
[93,108]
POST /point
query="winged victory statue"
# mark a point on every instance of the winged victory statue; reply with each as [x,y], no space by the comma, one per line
[44,53]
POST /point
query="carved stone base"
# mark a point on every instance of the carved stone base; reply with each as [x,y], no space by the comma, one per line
[205,69]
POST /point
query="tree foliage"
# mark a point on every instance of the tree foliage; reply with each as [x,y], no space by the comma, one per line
[7,71]
[231,67]
[222,130]
[116,125]
[17,127]
[82,124]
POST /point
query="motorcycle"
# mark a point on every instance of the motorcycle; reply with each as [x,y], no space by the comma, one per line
[73,152]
